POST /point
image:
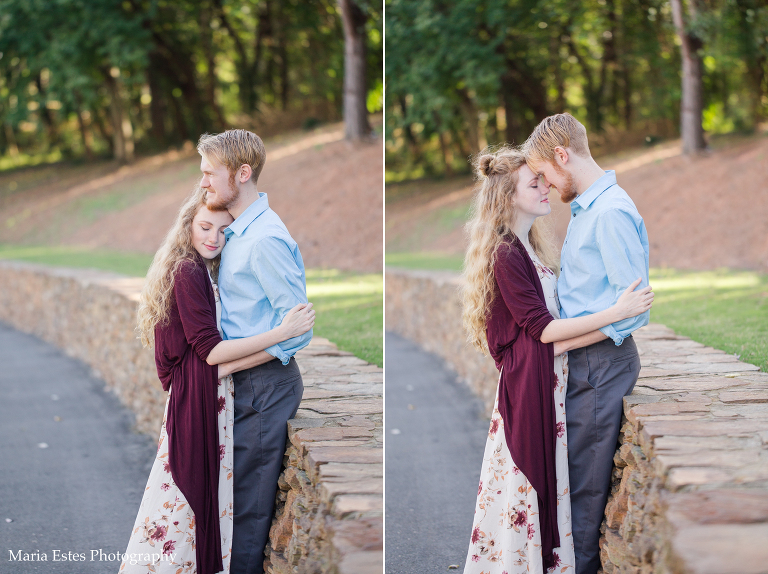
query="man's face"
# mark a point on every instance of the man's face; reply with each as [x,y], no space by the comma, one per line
[559,178]
[221,189]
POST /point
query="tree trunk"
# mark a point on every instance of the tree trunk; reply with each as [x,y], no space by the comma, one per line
[46,115]
[512,132]
[181,122]
[473,123]
[554,49]
[410,138]
[691,129]
[206,42]
[122,131]
[98,120]
[86,137]
[10,137]
[281,50]
[445,148]
[356,125]
[157,107]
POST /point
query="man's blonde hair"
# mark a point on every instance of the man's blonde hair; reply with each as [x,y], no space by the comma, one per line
[560,130]
[234,148]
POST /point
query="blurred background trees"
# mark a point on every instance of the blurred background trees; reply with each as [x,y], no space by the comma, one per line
[115,78]
[462,74]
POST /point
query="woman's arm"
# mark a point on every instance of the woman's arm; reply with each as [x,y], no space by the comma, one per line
[245,363]
[561,347]
[630,304]
[298,321]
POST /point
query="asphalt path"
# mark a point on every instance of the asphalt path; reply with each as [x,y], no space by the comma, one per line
[72,470]
[435,437]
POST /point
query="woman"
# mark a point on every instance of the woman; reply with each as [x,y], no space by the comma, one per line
[522,515]
[184,523]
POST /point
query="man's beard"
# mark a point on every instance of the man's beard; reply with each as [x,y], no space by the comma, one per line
[224,203]
[567,190]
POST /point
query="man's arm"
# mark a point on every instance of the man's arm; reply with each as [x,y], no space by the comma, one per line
[272,263]
[625,261]
[561,347]
[245,363]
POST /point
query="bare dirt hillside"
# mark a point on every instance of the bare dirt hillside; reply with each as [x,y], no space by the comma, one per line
[327,191]
[700,213]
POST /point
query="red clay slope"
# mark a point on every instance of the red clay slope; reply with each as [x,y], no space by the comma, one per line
[327,192]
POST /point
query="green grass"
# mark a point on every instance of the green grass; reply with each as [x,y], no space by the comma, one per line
[724,309]
[431,261]
[132,264]
[350,311]
[349,306]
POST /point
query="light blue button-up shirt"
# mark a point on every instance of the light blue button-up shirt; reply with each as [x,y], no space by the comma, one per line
[605,250]
[261,278]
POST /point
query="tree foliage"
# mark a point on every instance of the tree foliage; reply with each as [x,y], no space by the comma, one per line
[465,73]
[83,77]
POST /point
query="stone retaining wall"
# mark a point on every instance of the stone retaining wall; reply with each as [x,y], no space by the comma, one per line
[690,486]
[329,517]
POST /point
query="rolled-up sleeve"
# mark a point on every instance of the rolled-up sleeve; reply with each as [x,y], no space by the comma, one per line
[619,239]
[274,266]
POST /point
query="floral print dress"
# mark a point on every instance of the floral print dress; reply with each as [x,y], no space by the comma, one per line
[165,524]
[505,533]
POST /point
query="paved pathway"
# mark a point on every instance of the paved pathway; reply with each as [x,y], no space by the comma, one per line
[435,436]
[72,471]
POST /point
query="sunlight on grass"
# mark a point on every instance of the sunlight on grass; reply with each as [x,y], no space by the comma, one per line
[132,264]
[350,311]
[724,309]
[429,261]
[349,306]
[667,280]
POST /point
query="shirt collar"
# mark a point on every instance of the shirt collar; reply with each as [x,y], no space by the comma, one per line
[239,225]
[586,199]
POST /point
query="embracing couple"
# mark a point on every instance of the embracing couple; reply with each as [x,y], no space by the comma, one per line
[225,324]
[548,459]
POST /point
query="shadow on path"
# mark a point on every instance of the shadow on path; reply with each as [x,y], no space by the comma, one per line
[72,472]
[435,437]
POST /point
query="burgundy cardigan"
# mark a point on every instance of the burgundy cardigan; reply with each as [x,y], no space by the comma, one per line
[518,316]
[181,348]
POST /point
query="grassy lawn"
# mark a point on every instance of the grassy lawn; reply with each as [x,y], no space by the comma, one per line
[132,264]
[350,306]
[350,311]
[432,261]
[724,309]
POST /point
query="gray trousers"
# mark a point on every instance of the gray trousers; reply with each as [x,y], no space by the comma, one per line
[265,398]
[599,376]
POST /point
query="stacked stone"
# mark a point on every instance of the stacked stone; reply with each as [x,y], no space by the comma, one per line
[425,306]
[90,315]
[329,516]
[330,504]
[690,487]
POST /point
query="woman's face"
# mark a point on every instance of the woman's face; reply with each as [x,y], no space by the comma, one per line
[208,231]
[532,197]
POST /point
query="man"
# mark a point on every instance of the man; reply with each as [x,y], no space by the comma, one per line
[605,250]
[261,278]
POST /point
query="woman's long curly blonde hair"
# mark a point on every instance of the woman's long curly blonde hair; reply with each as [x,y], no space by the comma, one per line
[491,220]
[157,295]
